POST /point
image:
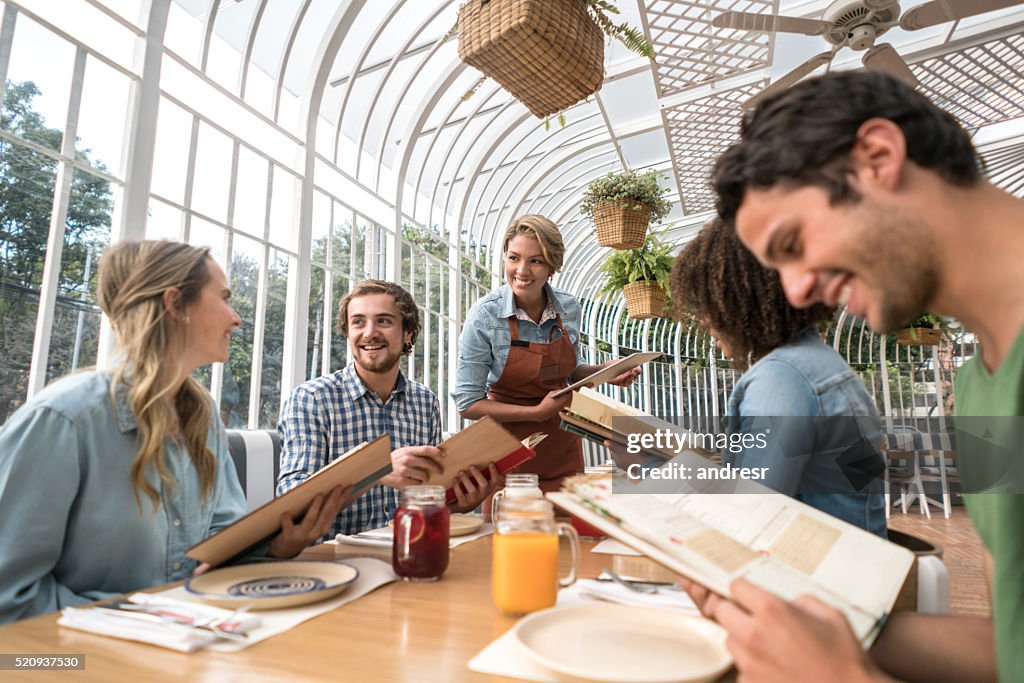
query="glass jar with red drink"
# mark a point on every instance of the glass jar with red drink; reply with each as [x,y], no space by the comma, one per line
[420,550]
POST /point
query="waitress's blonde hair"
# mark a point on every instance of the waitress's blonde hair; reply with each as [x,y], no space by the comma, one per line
[133,277]
[542,230]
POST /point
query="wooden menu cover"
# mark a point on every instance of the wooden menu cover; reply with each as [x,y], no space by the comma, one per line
[483,442]
[360,467]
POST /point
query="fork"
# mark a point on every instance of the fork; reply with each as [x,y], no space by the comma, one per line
[643,589]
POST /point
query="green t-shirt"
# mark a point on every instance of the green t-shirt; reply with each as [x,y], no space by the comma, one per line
[991,457]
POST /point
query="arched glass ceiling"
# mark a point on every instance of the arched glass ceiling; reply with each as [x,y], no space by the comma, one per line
[393,117]
[313,142]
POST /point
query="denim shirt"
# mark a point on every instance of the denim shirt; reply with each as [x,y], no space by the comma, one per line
[823,431]
[70,528]
[486,339]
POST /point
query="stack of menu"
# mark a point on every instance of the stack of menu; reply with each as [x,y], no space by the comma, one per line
[771,540]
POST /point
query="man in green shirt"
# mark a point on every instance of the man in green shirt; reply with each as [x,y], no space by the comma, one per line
[859,191]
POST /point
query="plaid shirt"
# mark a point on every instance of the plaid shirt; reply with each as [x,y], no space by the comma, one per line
[327,416]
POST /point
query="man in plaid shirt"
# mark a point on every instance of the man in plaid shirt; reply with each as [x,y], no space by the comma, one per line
[325,417]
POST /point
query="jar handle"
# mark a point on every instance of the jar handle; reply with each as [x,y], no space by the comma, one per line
[403,532]
[498,495]
[574,549]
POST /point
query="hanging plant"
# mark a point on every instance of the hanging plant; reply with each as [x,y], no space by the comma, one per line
[623,204]
[643,276]
[549,54]
[925,330]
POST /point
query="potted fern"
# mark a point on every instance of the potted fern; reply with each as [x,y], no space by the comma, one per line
[925,330]
[622,205]
[642,275]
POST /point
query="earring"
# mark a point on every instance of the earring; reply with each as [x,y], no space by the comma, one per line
[186,320]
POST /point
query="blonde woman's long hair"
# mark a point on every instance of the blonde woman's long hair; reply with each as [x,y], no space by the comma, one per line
[133,277]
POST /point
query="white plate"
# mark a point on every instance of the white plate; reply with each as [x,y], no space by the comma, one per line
[622,644]
[272,585]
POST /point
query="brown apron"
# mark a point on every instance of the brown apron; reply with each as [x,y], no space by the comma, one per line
[533,369]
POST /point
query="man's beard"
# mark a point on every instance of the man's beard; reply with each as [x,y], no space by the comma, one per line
[381,365]
[900,266]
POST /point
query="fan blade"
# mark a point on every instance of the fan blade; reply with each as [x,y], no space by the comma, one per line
[770,23]
[791,78]
[939,11]
[885,59]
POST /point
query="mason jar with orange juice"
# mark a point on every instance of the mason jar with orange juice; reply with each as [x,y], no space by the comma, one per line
[524,571]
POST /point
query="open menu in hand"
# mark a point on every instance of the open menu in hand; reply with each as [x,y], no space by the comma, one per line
[771,540]
[633,360]
[483,442]
[359,467]
[597,417]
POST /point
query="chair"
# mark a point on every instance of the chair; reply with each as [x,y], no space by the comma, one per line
[903,467]
[256,455]
[916,457]
[926,589]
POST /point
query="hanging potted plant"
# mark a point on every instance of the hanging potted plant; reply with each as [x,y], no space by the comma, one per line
[925,330]
[549,54]
[622,205]
[642,275]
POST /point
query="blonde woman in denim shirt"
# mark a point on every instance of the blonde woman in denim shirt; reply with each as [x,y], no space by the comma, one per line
[821,426]
[520,344]
[108,477]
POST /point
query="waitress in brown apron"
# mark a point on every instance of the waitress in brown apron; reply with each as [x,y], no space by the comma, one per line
[519,344]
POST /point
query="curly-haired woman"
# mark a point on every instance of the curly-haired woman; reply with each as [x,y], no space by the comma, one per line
[822,430]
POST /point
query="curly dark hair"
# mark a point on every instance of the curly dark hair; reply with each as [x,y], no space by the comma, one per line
[803,136]
[406,307]
[720,284]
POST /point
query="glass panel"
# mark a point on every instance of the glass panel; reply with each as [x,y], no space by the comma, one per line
[222,63]
[212,182]
[206,234]
[273,340]
[170,153]
[165,221]
[244,275]
[76,321]
[339,343]
[36,104]
[315,334]
[87,24]
[26,198]
[184,34]
[251,193]
[284,215]
[321,228]
[102,116]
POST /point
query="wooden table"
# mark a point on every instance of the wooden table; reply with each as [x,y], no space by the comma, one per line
[400,632]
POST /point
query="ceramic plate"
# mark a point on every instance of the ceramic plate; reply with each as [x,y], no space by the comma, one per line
[460,525]
[272,585]
[619,644]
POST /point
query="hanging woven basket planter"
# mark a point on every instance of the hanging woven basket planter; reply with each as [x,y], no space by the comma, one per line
[644,299]
[919,336]
[619,226]
[549,54]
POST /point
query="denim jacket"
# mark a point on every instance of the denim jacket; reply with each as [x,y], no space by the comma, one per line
[485,339]
[822,429]
[71,528]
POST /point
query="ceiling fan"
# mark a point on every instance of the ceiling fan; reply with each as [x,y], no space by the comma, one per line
[856,24]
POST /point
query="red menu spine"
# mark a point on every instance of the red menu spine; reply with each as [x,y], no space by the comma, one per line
[509,462]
